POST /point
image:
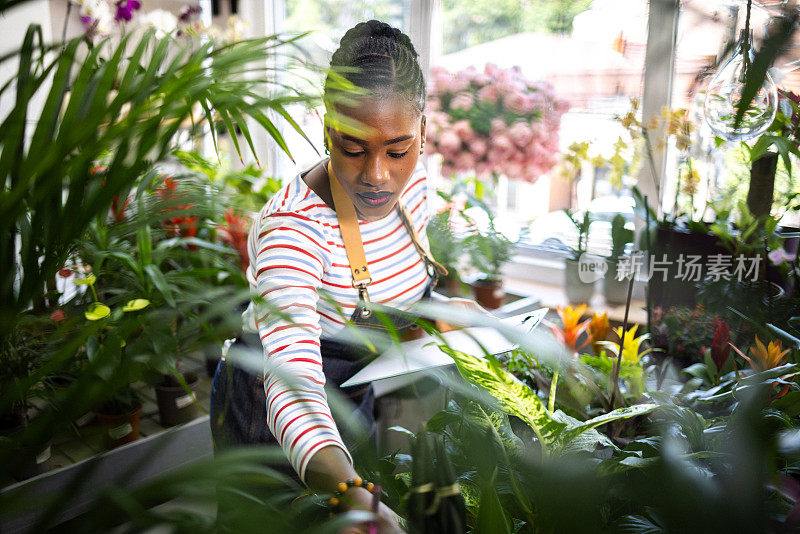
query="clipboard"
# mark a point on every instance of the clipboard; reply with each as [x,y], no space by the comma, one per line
[406,363]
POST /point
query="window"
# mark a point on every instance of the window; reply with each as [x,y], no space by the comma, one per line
[594,59]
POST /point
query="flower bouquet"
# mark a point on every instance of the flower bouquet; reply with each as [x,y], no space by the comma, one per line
[494,122]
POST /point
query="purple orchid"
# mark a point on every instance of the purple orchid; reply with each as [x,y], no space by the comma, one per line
[125,9]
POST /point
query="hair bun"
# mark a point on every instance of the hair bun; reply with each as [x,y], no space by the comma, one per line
[378,30]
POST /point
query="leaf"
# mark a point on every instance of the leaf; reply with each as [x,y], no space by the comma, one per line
[158,279]
[621,413]
[492,518]
[771,48]
[514,397]
[97,311]
[135,305]
[86,280]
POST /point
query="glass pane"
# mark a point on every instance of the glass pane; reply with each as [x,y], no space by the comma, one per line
[577,51]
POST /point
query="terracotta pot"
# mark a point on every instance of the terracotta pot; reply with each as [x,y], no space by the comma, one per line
[489,293]
[119,429]
[175,405]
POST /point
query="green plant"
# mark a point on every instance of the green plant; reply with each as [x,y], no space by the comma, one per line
[620,236]
[445,246]
[582,225]
[488,251]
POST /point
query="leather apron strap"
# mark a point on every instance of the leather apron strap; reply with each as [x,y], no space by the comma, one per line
[354,247]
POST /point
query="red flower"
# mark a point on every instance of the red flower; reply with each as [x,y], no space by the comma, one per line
[117,210]
[184,225]
[66,272]
[720,348]
[234,233]
[57,316]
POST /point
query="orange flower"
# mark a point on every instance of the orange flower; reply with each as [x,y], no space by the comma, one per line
[598,329]
[572,328]
[768,357]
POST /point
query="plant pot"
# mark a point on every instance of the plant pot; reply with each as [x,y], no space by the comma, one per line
[30,459]
[175,405]
[450,286]
[577,291]
[672,243]
[119,428]
[615,291]
[489,293]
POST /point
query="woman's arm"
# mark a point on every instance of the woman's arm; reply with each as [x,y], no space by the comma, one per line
[288,258]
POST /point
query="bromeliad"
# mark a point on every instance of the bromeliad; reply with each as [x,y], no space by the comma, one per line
[630,344]
[572,329]
[766,357]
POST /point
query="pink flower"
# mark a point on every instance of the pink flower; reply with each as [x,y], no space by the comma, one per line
[465,162]
[502,144]
[488,94]
[518,103]
[478,147]
[498,126]
[464,130]
[449,141]
[57,316]
[462,101]
[520,133]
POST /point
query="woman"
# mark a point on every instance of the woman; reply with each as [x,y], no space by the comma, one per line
[298,253]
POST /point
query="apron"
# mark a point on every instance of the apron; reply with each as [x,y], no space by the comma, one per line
[238,401]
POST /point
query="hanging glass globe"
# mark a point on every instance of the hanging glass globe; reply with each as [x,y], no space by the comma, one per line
[724,94]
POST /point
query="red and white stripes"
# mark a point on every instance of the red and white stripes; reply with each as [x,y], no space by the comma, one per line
[296,254]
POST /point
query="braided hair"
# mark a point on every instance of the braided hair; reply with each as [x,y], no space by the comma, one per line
[379,59]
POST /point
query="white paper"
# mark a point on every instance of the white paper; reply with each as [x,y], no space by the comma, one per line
[419,355]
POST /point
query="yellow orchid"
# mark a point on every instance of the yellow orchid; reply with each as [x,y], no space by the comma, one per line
[598,329]
[630,345]
[766,357]
[572,328]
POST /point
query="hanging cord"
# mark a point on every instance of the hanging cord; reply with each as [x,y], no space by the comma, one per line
[746,38]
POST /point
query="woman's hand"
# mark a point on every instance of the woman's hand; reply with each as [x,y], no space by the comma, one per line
[463,304]
[361,499]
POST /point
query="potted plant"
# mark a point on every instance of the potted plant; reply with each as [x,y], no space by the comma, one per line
[614,289]
[576,289]
[118,415]
[488,251]
[22,355]
[446,248]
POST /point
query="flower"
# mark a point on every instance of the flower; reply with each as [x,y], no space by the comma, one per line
[66,272]
[234,233]
[720,346]
[630,344]
[598,329]
[57,316]
[462,101]
[766,357]
[164,22]
[183,225]
[125,9]
[571,329]
[779,256]
[476,106]
[119,211]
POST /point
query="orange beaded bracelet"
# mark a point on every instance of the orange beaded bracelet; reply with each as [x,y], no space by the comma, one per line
[342,487]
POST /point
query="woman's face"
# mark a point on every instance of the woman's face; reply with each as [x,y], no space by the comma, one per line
[375,164]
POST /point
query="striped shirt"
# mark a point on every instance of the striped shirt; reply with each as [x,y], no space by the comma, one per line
[297,253]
